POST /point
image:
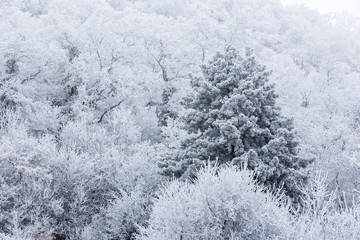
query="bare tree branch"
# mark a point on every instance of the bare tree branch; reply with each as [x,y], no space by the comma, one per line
[109,109]
[163,69]
[31,77]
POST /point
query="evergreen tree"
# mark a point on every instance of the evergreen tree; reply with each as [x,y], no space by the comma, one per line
[233,118]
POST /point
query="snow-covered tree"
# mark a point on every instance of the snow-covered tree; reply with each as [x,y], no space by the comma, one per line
[233,118]
[225,204]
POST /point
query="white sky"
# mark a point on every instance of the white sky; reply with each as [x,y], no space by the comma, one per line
[324,6]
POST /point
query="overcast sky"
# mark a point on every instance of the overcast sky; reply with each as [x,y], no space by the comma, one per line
[324,6]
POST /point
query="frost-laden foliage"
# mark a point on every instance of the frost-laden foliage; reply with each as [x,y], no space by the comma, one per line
[221,204]
[233,117]
[228,204]
[115,166]
[26,193]
[60,59]
[63,191]
[325,216]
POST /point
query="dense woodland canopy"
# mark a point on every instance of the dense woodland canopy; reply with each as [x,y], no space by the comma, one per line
[93,97]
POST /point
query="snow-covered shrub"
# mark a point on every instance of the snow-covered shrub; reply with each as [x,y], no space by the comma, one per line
[98,169]
[91,173]
[337,224]
[324,216]
[220,204]
[26,193]
[137,182]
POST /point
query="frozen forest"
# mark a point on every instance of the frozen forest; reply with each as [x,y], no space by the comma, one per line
[178,120]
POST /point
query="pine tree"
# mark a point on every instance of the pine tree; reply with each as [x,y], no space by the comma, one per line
[232,119]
